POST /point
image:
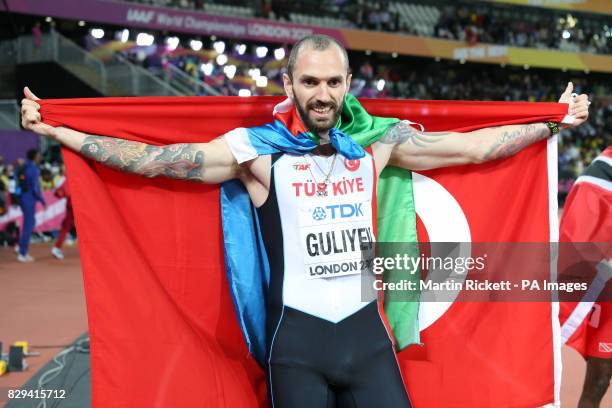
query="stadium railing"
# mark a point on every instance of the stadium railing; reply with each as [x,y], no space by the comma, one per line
[188,84]
[9,114]
[115,77]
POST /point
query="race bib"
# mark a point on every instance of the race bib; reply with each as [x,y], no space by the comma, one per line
[336,237]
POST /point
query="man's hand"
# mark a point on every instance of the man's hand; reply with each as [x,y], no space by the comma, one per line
[30,115]
[578,106]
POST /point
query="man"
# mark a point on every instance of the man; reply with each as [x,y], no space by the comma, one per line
[326,344]
[29,186]
[586,218]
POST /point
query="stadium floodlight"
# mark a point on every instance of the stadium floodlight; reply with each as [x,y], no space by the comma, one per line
[125,35]
[207,68]
[254,73]
[566,34]
[241,49]
[221,59]
[195,45]
[368,52]
[261,81]
[279,53]
[219,46]
[81,23]
[394,55]
[526,66]
[380,85]
[172,43]
[144,39]
[230,71]
[97,33]
[244,92]
[261,52]
[48,19]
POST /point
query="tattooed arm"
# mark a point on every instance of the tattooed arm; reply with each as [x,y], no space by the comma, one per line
[406,147]
[411,149]
[211,162]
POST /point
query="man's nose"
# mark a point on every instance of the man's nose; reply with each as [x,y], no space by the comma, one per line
[323,93]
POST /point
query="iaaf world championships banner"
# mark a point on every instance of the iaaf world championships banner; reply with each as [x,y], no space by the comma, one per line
[253,29]
[157,18]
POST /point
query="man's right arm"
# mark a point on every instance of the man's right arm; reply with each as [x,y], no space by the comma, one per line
[211,162]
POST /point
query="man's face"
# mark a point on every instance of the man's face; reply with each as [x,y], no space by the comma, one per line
[320,82]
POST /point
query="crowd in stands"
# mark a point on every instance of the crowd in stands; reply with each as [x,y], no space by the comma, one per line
[471,22]
[445,80]
[420,78]
[51,177]
[477,23]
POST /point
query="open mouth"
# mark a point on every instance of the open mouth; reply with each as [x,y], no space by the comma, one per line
[322,110]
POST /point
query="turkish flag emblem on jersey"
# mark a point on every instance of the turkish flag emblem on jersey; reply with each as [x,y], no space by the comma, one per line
[352,165]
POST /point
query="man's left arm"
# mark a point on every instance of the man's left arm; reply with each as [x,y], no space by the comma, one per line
[416,150]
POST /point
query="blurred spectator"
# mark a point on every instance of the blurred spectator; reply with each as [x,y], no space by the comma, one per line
[36,36]
[464,21]
[28,186]
[63,191]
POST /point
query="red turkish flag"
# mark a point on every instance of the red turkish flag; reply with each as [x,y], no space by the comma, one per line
[162,326]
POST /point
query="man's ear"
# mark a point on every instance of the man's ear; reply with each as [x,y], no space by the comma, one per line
[288,85]
[348,82]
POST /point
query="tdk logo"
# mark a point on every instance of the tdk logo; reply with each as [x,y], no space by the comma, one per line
[338,211]
[319,214]
[140,16]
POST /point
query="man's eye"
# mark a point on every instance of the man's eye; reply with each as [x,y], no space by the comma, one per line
[334,82]
[309,82]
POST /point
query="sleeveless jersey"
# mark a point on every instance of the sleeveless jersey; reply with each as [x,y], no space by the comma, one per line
[318,240]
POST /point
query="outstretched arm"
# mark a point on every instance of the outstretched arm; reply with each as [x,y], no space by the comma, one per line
[414,150]
[211,162]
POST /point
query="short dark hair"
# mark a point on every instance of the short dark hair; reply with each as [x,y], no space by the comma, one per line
[31,154]
[319,42]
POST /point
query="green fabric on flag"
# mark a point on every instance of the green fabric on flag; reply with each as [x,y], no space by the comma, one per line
[396,219]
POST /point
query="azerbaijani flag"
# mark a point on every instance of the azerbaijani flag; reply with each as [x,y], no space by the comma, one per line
[164,327]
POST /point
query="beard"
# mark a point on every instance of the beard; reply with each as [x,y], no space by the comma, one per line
[318,125]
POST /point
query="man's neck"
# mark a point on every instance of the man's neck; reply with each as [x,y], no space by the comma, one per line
[324,150]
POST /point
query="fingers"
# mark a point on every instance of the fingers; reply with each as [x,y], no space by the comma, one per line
[29,102]
[569,89]
[582,97]
[29,94]
[30,115]
[578,107]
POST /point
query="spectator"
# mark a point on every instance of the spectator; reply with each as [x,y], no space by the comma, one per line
[36,36]
[29,194]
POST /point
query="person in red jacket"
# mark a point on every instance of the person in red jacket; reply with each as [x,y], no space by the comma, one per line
[587,218]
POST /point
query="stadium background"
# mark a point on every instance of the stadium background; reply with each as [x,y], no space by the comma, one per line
[460,50]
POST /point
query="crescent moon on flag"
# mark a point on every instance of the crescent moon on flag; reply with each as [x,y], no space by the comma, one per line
[445,221]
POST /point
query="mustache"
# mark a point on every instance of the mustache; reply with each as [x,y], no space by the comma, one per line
[319,104]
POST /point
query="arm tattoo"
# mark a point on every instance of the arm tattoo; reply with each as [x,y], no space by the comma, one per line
[510,142]
[403,132]
[179,161]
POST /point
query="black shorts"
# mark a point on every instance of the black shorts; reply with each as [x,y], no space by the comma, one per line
[316,363]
